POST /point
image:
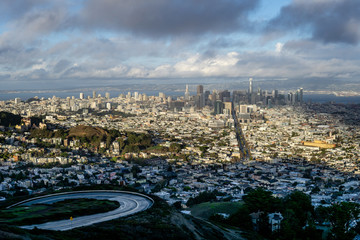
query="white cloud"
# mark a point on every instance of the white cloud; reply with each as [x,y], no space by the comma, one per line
[49,43]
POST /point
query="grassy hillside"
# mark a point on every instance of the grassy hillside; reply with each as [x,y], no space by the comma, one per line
[207,209]
[41,213]
[87,132]
[159,222]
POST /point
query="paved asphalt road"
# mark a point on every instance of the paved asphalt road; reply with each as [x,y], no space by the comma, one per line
[129,204]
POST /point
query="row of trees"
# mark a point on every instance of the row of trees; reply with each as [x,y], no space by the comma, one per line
[44,133]
[8,119]
[300,218]
[128,141]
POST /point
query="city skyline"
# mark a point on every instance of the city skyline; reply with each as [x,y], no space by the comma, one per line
[47,44]
[180,119]
[180,149]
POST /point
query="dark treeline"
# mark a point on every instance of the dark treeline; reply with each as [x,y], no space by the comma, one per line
[301,220]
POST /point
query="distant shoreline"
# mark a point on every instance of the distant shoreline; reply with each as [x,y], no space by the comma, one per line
[319,97]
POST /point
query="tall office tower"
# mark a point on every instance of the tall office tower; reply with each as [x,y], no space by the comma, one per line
[81,95]
[200,89]
[296,96]
[229,107]
[250,86]
[240,96]
[292,98]
[72,102]
[200,96]
[275,94]
[224,96]
[243,109]
[218,108]
[136,96]
[206,97]
[301,93]
[107,95]
[288,99]
[162,95]
[187,94]
[128,95]
[94,94]
[199,101]
[17,100]
[93,105]
[213,97]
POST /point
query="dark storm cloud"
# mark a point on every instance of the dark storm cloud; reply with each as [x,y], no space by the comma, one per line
[12,58]
[168,17]
[38,23]
[329,21]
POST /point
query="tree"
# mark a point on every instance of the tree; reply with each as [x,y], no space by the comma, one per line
[261,200]
[300,203]
[341,216]
[135,170]
[108,141]
[121,143]
[131,148]
[310,232]
[202,197]
[60,133]
[175,147]
[177,205]
[241,218]
[64,154]
[9,119]
[132,139]
[203,149]
[321,214]
[264,225]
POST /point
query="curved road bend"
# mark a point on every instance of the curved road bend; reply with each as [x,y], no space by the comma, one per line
[129,204]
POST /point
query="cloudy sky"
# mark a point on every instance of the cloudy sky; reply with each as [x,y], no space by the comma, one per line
[55,42]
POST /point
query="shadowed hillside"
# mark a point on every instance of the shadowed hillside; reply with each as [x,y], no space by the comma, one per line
[7,119]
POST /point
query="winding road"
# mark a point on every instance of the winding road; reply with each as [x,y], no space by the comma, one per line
[130,203]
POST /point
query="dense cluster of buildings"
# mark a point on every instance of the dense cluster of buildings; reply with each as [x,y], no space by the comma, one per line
[303,133]
[281,133]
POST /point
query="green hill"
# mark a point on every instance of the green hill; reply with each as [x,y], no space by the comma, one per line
[161,221]
[87,132]
[207,209]
[7,119]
